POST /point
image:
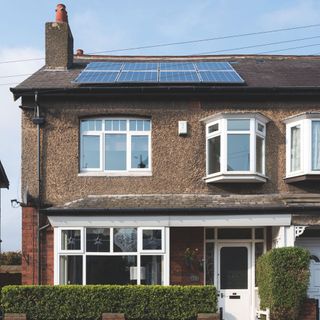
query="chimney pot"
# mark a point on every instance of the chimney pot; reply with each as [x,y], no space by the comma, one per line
[79,52]
[61,13]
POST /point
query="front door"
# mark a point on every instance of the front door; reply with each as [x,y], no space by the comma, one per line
[234,280]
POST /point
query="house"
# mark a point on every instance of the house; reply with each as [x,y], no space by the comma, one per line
[167,169]
[4,183]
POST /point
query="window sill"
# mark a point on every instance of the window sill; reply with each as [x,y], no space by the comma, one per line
[303,177]
[236,178]
[116,174]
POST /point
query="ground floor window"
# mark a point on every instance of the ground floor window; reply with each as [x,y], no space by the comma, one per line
[102,255]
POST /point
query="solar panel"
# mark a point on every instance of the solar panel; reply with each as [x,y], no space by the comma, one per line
[177,65]
[138,76]
[214,66]
[104,66]
[140,66]
[216,72]
[179,76]
[97,77]
[220,77]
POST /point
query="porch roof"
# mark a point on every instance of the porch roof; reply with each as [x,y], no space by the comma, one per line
[188,204]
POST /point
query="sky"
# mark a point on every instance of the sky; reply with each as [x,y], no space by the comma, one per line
[104,25]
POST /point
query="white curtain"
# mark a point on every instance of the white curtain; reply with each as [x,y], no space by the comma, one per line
[315,145]
[295,148]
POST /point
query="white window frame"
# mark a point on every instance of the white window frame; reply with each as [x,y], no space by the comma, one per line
[129,134]
[164,252]
[304,120]
[140,243]
[224,175]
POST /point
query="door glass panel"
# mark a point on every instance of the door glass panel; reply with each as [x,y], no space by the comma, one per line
[209,263]
[234,268]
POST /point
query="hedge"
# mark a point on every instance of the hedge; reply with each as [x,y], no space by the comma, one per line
[89,302]
[283,279]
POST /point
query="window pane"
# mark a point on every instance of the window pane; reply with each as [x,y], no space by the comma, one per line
[124,240]
[139,125]
[139,152]
[91,125]
[234,268]
[70,270]
[70,240]
[108,125]
[210,263]
[98,240]
[259,154]
[123,125]
[295,148]
[146,124]
[238,152]
[151,272]
[315,145]
[91,152]
[236,124]
[259,234]
[214,155]
[213,128]
[210,233]
[260,127]
[98,125]
[115,151]
[115,125]
[152,239]
[84,125]
[111,269]
[234,233]
[133,125]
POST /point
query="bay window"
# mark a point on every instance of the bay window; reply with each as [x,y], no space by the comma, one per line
[115,146]
[111,255]
[303,147]
[235,145]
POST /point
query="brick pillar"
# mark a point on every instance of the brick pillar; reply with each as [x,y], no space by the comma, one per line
[309,310]
[15,316]
[29,246]
[113,316]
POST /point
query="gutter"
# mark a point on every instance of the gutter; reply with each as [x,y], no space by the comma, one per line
[301,209]
[167,91]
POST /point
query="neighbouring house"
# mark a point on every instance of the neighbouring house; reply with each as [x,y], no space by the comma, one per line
[4,183]
[168,169]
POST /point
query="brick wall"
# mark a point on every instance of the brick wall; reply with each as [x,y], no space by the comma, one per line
[29,249]
[309,310]
[182,273]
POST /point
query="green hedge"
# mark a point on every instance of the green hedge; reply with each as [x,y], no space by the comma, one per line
[283,278]
[89,302]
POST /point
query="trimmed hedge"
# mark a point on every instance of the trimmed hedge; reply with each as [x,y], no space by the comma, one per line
[283,279]
[89,302]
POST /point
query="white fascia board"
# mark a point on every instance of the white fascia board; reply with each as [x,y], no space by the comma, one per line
[236,115]
[258,220]
[302,116]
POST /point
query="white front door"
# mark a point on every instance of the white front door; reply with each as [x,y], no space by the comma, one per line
[234,280]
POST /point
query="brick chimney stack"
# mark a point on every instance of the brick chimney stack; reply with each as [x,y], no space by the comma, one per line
[59,41]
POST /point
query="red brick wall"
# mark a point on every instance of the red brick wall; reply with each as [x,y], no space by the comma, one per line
[309,310]
[180,272]
[29,249]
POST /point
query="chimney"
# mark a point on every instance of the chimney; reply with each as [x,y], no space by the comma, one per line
[59,41]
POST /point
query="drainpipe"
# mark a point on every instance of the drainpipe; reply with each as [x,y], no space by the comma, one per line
[38,121]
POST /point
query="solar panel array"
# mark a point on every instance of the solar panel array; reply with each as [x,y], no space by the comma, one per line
[159,72]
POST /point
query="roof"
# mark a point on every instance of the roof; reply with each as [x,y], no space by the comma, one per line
[258,71]
[185,203]
[10,269]
[4,182]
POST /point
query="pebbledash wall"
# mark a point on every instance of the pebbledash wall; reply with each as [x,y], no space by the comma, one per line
[178,164]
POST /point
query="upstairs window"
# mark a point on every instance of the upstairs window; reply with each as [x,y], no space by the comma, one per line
[235,148]
[303,147]
[115,145]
